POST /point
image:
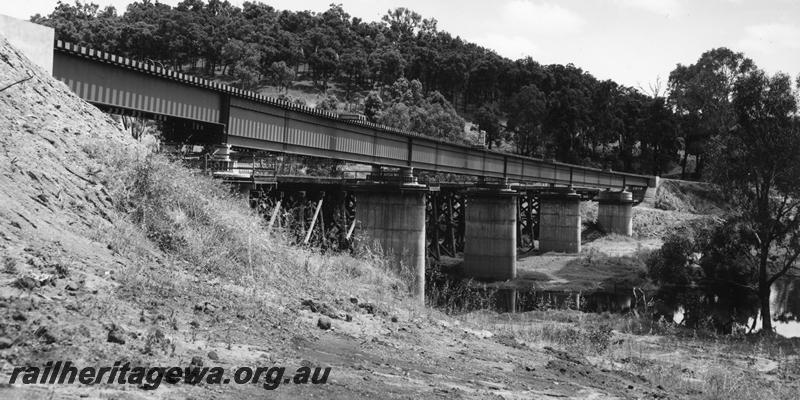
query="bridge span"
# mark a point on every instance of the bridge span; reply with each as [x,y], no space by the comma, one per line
[391,211]
[246,119]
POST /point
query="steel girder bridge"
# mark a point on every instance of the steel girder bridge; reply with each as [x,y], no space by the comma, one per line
[206,112]
[223,114]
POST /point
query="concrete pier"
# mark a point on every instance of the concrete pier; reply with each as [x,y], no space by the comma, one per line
[615,212]
[560,222]
[490,235]
[651,190]
[393,216]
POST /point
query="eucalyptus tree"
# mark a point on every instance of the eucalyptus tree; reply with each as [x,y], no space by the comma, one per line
[701,95]
[758,164]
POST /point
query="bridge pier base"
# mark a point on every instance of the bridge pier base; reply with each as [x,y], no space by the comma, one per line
[615,212]
[393,216]
[490,234]
[560,222]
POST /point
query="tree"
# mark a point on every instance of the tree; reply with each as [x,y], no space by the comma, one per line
[729,278]
[386,64]
[631,111]
[488,119]
[526,114]
[659,144]
[403,23]
[438,118]
[407,108]
[329,103]
[324,64]
[483,79]
[405,91]
[281,75]
[605,117]
[246,66]
[373,105]
[758,163]
[714,289]
[233,51]
[69,21]
[567,117]
[672,269]
[354,66]
[701,95]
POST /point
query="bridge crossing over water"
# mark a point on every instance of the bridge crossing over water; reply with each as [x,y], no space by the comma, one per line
[391,211]
[249,120]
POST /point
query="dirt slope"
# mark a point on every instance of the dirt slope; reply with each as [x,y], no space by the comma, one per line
[691,197]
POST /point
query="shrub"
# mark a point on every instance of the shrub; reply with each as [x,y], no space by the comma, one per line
[599,337]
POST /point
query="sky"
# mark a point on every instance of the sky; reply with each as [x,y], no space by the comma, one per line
[633,42]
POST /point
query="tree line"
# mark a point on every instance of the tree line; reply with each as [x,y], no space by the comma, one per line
[404,72]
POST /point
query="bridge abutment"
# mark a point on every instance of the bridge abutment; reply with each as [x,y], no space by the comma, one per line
[393,216]
[33,40]
[560,222]
[615,212]
[490,235]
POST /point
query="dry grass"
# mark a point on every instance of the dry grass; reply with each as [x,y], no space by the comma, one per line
[684,363]
[693,197]
[597,270]
[456,296]
[196,230]
[588,212]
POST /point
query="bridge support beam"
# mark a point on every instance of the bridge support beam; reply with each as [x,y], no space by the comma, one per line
[393,216]
[560,222]
[490,235]
[615,212]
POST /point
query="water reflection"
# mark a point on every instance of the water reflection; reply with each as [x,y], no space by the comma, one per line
[785,304]
[785,299]
[450,291]
[522,300]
